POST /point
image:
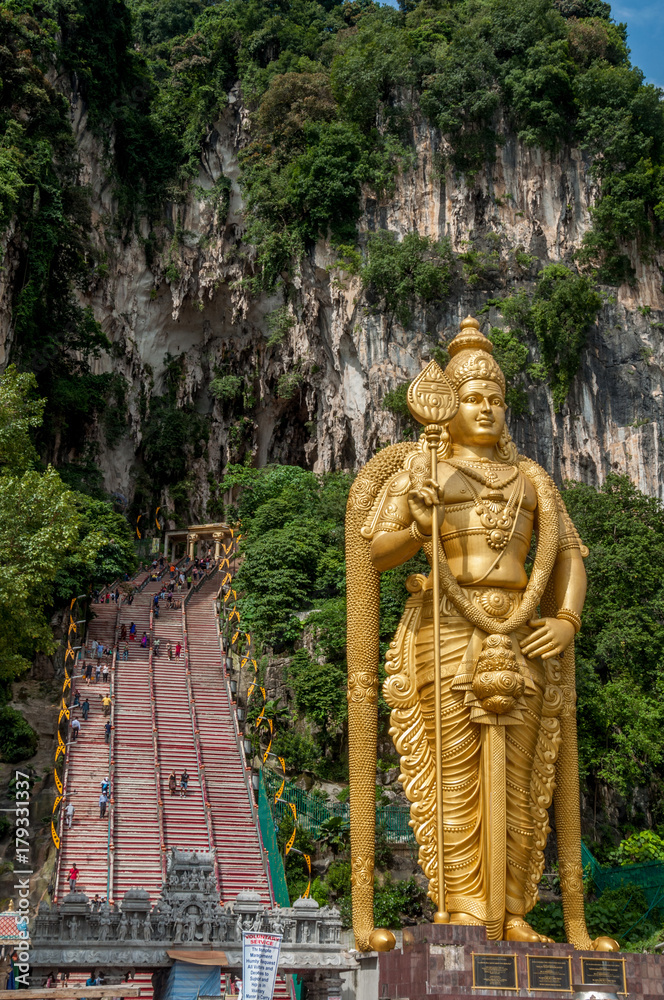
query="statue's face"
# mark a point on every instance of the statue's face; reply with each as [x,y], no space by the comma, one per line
[481,415]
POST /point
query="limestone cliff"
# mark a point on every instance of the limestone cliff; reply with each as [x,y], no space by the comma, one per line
[192,301]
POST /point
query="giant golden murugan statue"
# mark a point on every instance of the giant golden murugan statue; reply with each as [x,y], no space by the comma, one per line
[481,670]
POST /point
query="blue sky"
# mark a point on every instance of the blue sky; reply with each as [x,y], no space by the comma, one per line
[645,26]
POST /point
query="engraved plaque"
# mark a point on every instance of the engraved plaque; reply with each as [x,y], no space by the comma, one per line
[549,973]
[491,971]
[604,972]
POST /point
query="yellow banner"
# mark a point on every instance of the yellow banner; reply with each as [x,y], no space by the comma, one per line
[56,839]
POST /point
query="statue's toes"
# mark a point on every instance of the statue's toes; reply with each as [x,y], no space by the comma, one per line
[519,930]
[381,939]
[605,944]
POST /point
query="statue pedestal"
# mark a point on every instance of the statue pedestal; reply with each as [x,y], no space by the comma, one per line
[443,961]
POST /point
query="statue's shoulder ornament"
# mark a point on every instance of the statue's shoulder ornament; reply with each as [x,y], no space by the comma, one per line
[389,511]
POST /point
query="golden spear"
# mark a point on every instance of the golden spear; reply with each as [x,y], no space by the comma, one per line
[433,402]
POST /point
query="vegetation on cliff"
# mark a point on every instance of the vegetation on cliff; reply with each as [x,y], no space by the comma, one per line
[54,541]
[336,92]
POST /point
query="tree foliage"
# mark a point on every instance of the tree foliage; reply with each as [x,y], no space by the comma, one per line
[620,649]
[52,541]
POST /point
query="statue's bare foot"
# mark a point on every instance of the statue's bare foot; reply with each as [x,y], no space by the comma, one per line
[605,944]
[465,918]
[516,929]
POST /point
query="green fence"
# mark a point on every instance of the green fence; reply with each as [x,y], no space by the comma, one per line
[649,875]
[266,823]
[313,811]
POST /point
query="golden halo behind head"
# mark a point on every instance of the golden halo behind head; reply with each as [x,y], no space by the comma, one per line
[471,358]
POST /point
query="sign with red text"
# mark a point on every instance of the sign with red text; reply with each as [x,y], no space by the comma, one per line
[260,959]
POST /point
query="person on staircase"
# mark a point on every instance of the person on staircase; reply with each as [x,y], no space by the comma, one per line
[106,704]
[169,650]
[105,786]
[125,652]
[172,783]
[69,815]
[123,633]
[103,802]
[178,650]
[132,632]
[155,646]
[107,732]
[104,673]
[75,729]
[77,699]
[184,782]
[72,875]
[85,709]
[144,640]
[88,673]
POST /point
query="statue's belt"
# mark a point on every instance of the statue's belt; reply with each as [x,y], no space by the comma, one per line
[490,599]
[494,601]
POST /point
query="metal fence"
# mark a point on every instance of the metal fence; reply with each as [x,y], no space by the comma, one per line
[314,810]
[649,875]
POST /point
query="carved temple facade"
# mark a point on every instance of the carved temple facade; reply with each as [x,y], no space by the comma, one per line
[187,923]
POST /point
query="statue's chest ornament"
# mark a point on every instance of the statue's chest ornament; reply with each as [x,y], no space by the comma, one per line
[497,515]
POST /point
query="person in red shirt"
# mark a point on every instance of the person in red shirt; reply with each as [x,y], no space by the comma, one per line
[178,650]
[72,876]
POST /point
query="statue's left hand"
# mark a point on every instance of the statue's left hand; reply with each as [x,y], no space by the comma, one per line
[551,637]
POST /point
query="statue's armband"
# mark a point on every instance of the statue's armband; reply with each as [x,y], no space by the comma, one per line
[390,512]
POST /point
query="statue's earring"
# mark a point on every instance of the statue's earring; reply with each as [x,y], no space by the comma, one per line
[445,446]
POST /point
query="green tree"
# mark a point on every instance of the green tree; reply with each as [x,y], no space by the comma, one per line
[620,649]
[51,539]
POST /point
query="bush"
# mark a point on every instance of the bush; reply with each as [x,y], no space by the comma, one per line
[619,913]
[417,270]
[18,740]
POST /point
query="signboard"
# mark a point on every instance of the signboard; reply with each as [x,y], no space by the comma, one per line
[260,958]
[494,970]
[554,974]
[604,972]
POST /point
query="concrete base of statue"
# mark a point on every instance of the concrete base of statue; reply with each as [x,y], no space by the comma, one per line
[454,962]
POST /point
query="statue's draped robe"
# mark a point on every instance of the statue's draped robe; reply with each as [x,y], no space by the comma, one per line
[498,770]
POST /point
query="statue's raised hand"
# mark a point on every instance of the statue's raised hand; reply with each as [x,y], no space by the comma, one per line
[422,499]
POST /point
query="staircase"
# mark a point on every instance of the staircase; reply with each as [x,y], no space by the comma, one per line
[166,715]
[86,843]
[236,836]
[136,837]
[185,824]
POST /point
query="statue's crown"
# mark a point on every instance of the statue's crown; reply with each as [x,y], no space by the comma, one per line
[471,356]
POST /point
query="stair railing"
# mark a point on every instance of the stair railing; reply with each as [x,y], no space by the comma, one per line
[207,807]
[246,770]
[111,760]
[155,745]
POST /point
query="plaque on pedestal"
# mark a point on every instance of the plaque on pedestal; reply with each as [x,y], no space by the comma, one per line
[604,971]
[494,971]
[550,973]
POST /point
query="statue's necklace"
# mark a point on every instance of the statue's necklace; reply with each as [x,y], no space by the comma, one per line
[496,515]
[488,477]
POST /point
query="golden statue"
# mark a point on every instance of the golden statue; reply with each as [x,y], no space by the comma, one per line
[481,669]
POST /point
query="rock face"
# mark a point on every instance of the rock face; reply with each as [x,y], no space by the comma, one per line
[192,301]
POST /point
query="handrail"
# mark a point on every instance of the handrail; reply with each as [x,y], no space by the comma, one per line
[245,769]
[155,745]
[111,766]
[65,782]
[197,742]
